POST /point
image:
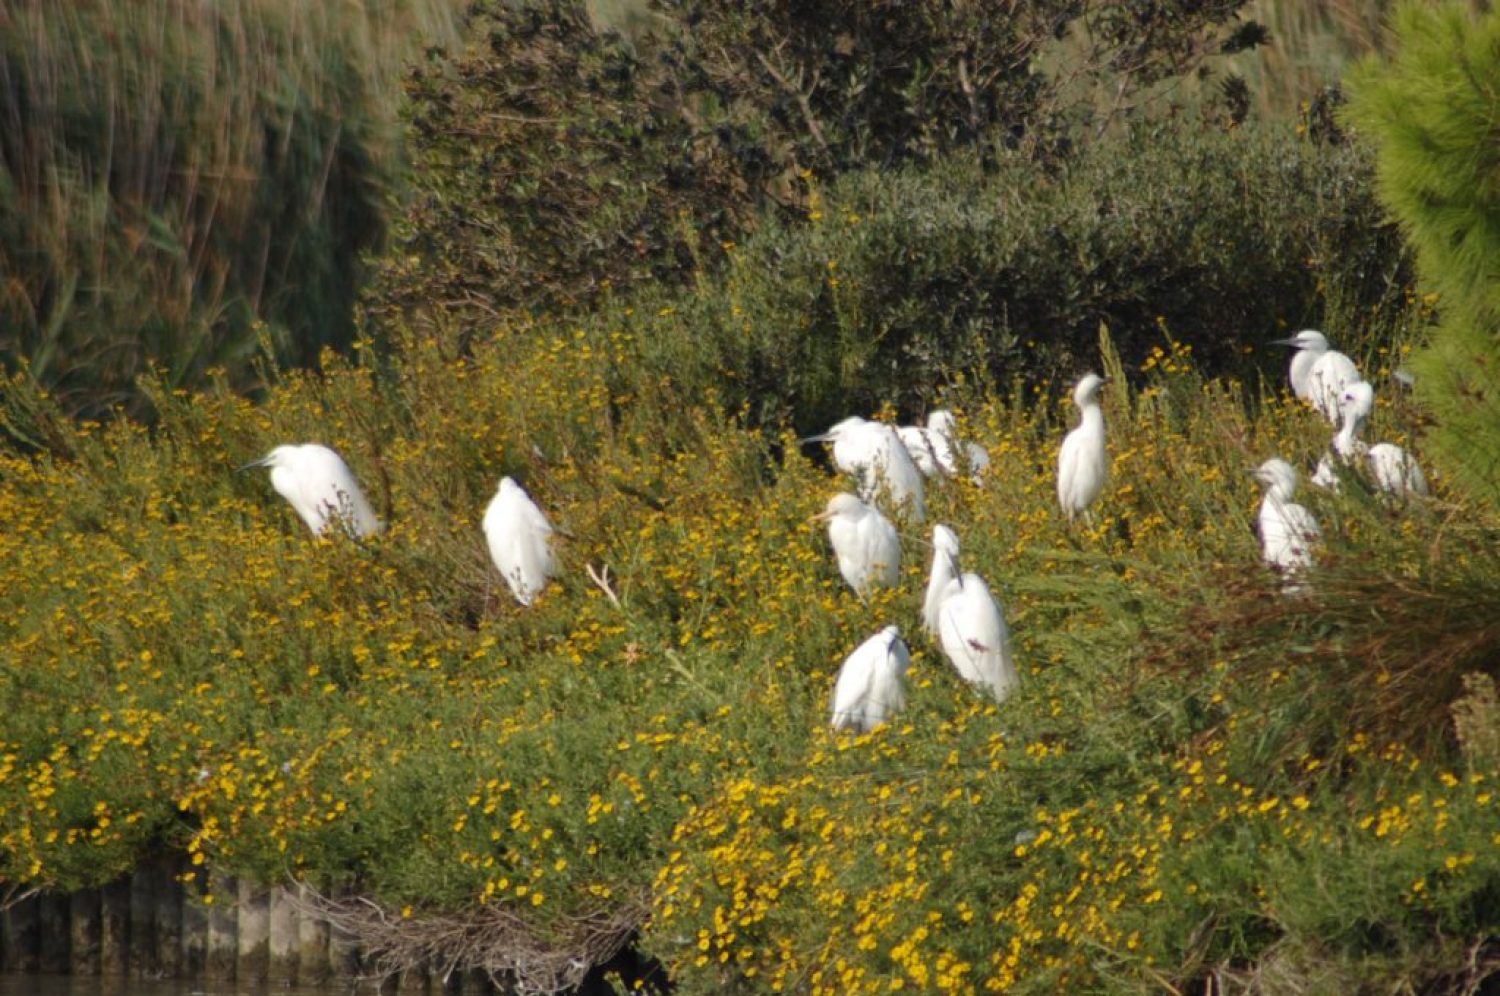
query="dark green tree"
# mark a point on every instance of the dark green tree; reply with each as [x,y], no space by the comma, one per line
[1432,109]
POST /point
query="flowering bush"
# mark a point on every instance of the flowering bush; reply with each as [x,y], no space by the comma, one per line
[184,667]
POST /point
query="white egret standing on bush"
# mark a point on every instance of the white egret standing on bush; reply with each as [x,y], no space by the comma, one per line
[520,541]
[868,691]
[946,445]
[1317,373]
[934,448]
[873,453]
[864,543]
[1395,471]
[970,626]
[320,487]
[1288,531]
[1082,463]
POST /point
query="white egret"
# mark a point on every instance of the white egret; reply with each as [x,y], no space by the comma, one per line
[1317,373]
[919,446]
[935,448]
[520,541]
[873,453]
[320,487]
[868,691]
[945,570]
[864,542]
[1288,531]
[1082,463]
[1394,470]
[968,623]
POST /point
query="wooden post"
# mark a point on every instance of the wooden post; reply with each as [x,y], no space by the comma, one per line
[52,932]
[114,923]
[22,945]
[313,966]
[170,895]
[223,941]
[281,940]
[194,930]
[254,935]
[143,960]
[86,931]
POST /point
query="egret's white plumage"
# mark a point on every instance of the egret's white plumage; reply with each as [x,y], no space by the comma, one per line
[864,542]
[320,487]
[945,569]
[1317,373]
[1082,463]
[1288,531]
[1394,471]
[868,691]
[942,430]
[919,446]
[873,453]
[968,621]
[520,541]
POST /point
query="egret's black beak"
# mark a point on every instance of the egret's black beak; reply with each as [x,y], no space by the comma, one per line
[251,465]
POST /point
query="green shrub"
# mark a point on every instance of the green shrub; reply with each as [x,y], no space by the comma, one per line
[1429,108]
[903,285]
[174,172]
[555,161]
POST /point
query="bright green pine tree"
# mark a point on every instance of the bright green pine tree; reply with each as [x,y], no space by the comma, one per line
[1431,105]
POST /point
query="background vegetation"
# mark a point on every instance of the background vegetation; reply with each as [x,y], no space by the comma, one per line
[182,179]
[1202,782]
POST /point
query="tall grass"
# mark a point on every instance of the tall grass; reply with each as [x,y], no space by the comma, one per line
[181,178]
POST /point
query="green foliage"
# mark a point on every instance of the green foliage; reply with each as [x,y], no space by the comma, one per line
[555,161]
[1430,109]
[175,173]
[900,287]
[550,163]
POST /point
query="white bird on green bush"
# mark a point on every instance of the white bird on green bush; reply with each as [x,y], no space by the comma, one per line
[864,543]
[970,625]
[1318,374]
[1082,463]
[868,691]
[873,453]
[520,541]
[320,487]
[934,448]
[1394,471]
[1288,531]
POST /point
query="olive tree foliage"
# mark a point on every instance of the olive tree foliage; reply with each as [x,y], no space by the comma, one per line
[1431,108]
[557,160]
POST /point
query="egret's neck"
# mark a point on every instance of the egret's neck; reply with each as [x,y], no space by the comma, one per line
[1091,416]
[1347,439]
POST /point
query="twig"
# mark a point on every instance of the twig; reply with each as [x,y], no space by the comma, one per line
[601,578]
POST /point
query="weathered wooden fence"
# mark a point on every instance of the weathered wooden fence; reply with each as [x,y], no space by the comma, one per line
[150,925]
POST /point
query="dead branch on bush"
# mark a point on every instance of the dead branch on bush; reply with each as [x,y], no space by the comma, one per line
[492,939]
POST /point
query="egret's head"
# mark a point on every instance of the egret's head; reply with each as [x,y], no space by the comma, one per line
[942,421]
[833,434]
[1306,339]
[1358,400]
[278,457]
[840,505]
[944,540]
[892,635]
[1277,475]
[1087,391]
